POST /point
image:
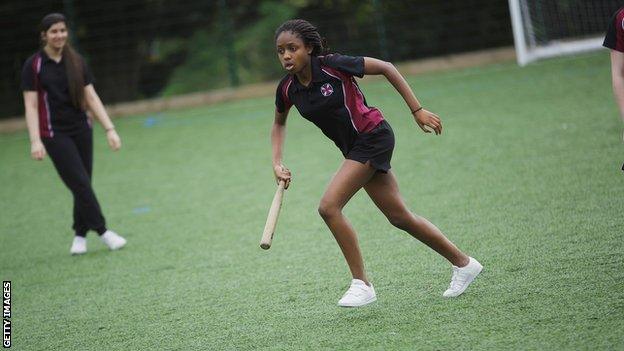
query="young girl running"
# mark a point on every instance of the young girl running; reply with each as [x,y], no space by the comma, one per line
[323,90]
[57,86]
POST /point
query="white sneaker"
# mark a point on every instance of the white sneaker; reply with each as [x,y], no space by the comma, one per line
[462,277]
[113,240]
[79,245]
[359,294]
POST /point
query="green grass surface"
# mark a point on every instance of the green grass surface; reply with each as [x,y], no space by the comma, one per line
[526,178]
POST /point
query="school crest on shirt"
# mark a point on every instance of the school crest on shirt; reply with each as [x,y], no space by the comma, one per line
[327,89]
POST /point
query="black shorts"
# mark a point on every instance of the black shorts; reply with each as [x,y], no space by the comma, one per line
[375,146]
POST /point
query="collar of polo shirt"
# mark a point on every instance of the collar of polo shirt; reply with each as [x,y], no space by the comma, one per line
[317,75]
[45,57]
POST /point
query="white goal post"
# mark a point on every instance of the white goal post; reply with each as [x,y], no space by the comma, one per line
[549,28]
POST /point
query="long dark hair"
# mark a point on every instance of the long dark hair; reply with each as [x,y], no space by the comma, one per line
[73,62]
[307,32]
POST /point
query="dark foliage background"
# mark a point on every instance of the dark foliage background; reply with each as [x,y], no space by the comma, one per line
[149,48]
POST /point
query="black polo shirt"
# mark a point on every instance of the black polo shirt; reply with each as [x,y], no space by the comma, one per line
[48,78]
[332,101]
[614,39]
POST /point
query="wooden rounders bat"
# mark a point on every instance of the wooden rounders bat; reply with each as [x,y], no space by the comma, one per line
[271,222]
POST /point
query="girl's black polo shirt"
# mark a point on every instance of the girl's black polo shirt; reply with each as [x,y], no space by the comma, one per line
[48,78]
[332,101]
[615,32]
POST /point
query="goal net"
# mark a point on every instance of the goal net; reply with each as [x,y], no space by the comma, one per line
[549,28]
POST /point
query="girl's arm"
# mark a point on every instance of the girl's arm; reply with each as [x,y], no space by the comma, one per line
[422,117]
[31,105]
[94,104]
[278,135]
[617,79]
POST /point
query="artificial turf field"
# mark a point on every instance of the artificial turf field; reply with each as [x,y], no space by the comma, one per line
[526,177]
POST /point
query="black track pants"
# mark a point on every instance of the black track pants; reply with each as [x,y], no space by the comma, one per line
[73,158]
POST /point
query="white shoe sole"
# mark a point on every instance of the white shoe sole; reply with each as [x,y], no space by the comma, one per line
[467,284]
[117,247]
[78,250]
[358,304]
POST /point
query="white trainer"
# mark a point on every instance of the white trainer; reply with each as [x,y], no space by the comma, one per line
[462,277]
[359,294]
[113,240]
[79,246]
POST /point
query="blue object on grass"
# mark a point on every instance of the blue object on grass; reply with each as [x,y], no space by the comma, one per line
[150,122]
[141,210]
[153,120]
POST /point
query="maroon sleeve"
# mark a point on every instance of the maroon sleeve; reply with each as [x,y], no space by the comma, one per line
[282,101]
[614,39]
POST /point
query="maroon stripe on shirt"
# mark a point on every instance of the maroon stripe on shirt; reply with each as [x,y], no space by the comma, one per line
[285,87]
[45,125]
[619,30]
[364,118]
[46,116]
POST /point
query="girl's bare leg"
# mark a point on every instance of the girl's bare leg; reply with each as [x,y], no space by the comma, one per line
[384,191]
[351,176]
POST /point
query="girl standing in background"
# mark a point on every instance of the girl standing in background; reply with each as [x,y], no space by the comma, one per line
[58,89]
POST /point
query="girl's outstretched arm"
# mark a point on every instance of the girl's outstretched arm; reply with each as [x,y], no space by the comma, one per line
[422,117]
[94,104]
[278,135]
